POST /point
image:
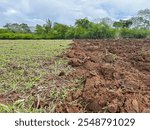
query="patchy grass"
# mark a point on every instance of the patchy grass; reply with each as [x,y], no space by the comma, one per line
[28,69]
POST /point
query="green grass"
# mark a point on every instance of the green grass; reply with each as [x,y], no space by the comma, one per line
[26,65]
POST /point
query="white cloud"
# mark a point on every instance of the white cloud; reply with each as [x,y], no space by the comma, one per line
[66,11]
[10,12]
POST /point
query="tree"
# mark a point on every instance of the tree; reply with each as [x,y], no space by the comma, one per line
[118,24]
[105,20]
[18,28]
[39,29]
[59,30]
[25,28]
[122,24]
[7,26]
[48,26]
[142,20]
[84,23]
[70,32]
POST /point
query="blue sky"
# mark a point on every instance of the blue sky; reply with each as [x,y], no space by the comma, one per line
[35,12]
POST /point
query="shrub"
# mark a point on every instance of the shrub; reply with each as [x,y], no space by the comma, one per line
[134,33]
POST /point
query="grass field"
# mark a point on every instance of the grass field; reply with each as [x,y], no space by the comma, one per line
[26,67]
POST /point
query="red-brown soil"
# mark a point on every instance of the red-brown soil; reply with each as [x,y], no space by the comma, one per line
[116,76]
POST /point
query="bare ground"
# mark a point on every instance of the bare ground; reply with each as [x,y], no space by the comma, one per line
[116,76]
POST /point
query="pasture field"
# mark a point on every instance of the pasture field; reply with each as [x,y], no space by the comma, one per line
[26,65]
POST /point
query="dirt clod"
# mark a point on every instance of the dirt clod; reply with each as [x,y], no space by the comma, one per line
[117,76]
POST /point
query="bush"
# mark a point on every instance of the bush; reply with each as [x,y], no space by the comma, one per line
[70,33]
[100,31]
[16,36]
[4,31]
[134,33]
[92,31]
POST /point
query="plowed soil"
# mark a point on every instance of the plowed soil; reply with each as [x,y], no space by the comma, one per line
[116,76]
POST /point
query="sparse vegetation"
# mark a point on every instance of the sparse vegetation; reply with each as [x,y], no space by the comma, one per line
[26,66]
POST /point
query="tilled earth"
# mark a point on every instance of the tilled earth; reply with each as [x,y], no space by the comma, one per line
[116,76]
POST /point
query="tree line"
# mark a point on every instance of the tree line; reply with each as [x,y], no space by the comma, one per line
[135,27]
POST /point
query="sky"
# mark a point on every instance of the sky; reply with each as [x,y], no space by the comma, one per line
[35,12]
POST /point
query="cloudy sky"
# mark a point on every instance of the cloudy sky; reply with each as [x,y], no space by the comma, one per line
[35,12]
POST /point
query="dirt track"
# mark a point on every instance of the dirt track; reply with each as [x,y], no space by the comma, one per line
[116,76]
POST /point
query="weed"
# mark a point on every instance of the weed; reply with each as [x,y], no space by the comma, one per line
[21,69]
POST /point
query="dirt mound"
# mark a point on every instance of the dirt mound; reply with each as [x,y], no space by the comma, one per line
[9,97]
[116,76]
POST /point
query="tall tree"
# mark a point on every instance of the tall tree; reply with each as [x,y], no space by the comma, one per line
[105,20]
[122,24]
[25,28]
[39,29]
[142,20]
[18,28]
[48,26]
[84,23]
[59,30]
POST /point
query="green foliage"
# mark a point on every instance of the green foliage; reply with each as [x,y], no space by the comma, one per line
[118,24]
[84,23]
[70,33]
[39,29]
[18,28]
[94,31]
[4,31]
[48,26]
[99,31]
[141,20]
[79,32]
[122,24]
[58,31]
[16,36]
[134,33]
[83,29]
